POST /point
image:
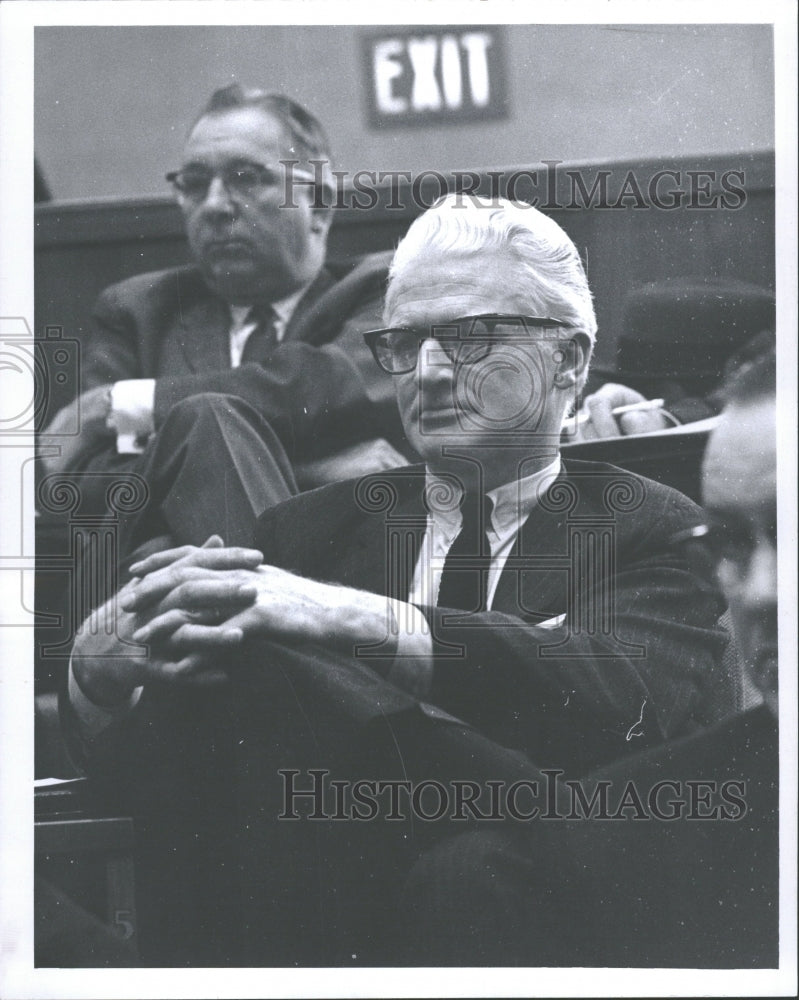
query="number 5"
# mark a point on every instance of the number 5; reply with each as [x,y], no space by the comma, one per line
[120,919]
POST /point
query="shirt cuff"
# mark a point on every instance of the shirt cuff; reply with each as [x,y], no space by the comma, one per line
[412,669]
[93,718]
[131,416]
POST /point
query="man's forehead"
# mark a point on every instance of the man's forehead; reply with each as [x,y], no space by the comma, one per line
[740,463]
[451,283]
[249,128]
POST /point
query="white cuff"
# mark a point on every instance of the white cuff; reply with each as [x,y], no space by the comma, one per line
[95,718]
[131,416]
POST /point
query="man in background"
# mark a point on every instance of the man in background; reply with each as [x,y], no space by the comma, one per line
[257,318]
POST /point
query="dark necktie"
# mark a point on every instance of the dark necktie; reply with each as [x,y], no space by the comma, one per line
[263,339]
[464,579]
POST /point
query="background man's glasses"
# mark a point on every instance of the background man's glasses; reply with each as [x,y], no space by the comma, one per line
[241,179]
[465,340]
[713,549]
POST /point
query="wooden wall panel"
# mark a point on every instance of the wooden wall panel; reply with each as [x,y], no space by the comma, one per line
[81,247]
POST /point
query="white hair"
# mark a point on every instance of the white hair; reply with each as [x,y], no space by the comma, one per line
[549,277]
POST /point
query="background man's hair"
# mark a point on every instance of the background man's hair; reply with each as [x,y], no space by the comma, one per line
[545,270]
[304,132]
[752,372]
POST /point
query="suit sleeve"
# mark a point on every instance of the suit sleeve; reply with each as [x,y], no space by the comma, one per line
[112,352]
[572,698]
[319,399]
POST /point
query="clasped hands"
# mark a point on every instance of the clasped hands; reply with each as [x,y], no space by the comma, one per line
[190,605]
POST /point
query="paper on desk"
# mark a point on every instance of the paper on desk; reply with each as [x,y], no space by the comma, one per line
[696,427]
[49,782]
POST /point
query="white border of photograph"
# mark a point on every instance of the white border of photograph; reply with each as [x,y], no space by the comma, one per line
[18,978]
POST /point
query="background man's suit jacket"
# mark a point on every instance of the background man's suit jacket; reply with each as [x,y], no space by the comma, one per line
[318,396]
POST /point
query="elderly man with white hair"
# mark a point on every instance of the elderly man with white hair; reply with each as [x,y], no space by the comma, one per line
[492,607]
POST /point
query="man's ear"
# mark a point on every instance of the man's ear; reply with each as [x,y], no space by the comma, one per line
[571,359]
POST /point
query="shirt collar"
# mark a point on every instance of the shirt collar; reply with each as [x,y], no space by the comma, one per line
[512,502]
[283,309]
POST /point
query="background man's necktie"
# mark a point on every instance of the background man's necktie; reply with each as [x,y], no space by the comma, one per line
[464,579]
[263,339]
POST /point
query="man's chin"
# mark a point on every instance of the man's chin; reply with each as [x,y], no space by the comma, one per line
[764,673]
[236,280]
[447,452]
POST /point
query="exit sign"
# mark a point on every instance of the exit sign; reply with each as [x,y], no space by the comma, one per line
[432,75]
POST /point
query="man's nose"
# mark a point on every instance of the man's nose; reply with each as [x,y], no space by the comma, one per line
[217,199]
[759,586]
[433,364]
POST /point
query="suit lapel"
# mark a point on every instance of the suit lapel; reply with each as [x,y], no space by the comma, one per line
[380,553]
[535,581]
[380,556]
[377,551]
[295,330]
[199,338]
[201,332]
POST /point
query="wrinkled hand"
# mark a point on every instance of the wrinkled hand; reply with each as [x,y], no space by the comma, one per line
[359,460]
[191,593]
[261,601]
[93,409]
[108,667]
[601,422]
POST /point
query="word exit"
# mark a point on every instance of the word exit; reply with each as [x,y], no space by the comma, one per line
[435,75]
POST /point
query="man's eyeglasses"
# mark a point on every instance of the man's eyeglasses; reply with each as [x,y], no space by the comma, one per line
[713,549]
[465,340]
[241,179]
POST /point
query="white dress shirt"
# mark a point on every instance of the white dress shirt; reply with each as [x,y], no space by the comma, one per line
[243,324]
[133,400]
[512,505]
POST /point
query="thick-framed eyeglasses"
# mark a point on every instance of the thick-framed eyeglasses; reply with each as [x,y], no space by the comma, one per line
[716,551]
[465,340]
[242,179]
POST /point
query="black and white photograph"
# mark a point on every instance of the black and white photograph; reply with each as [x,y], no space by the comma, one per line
[397,425]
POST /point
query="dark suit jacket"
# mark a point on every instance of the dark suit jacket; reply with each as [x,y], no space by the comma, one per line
[571,696]
[670,860]
[201,770]
[319,396]
[711,899]
[574,696]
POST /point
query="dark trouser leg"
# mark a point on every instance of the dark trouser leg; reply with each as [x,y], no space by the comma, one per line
[213,467]
[484,898]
